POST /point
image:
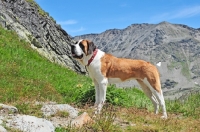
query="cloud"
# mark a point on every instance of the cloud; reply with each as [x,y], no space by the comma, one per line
[187,12]
[123,5]
[78,30]
[182,13]
[70,27]
[74,30]
[67,22]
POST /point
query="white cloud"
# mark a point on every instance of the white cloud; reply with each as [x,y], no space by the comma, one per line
[71,31]
[67,22]
[68,25]
[187,12]
[78,30]
[182,13]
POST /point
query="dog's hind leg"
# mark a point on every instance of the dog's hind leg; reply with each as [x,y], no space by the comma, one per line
[156,90]
[160,98]
[150,95]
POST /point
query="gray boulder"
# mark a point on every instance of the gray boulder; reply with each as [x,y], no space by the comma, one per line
[51,109]
[28,123]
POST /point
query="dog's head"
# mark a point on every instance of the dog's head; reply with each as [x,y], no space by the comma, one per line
[82,48]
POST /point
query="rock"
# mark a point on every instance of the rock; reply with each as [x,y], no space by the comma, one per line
[2,129]
[31,123]
[51,109]
[9,108]
[169,84]
[60,121]
[28,123]
[81,120]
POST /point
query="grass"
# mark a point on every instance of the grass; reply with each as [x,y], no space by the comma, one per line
[26,77]
[121,97]
[132,119]
[188,108]
[39,9]
[61,114]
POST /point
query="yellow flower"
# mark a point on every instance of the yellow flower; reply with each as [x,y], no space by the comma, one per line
[79,85]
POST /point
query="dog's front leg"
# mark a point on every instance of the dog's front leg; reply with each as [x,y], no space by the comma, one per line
[97,93]
[102,97]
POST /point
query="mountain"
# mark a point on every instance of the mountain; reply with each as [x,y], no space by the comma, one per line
[34,25]
[175,48]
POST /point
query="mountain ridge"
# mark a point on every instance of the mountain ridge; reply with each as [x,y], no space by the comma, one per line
[175,46]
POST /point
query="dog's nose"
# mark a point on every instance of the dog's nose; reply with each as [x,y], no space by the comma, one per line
[72,49]
[72,46]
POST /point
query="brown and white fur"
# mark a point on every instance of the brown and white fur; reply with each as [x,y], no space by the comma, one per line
[105,69]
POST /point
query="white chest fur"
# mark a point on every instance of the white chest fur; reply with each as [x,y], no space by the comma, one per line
[94,68]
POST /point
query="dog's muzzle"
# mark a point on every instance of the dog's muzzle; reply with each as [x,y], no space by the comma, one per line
[74,54]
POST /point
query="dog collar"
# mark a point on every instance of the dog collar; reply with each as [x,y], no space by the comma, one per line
[92,58]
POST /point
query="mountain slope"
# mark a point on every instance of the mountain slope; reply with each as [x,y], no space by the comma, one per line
[176,46]
[26,76]
[34,25]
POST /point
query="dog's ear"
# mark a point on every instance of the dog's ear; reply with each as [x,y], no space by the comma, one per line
[91,47]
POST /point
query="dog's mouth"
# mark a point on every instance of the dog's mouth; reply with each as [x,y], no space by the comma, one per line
[77,56]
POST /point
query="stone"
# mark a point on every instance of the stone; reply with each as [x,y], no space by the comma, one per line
[51,109]
[9,108]
[2,129]
[31,123]
[28,123]
[81,120]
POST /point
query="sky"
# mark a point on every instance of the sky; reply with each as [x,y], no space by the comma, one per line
[78,17]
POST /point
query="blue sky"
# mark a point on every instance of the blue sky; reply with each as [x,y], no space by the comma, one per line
[78,17]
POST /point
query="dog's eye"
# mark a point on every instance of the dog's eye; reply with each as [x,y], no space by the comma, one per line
[81,46]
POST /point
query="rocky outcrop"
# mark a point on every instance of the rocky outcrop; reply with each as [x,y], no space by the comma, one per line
[28,123]
[34,25]
[10,119]
[51,109]
[175,47]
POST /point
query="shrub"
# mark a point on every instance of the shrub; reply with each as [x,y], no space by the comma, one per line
[189,108]
[114,96]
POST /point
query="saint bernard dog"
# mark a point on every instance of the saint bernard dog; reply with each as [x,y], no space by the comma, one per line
[105,69]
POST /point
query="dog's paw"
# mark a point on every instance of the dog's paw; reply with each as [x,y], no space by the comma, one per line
[164,117]
[94,116]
